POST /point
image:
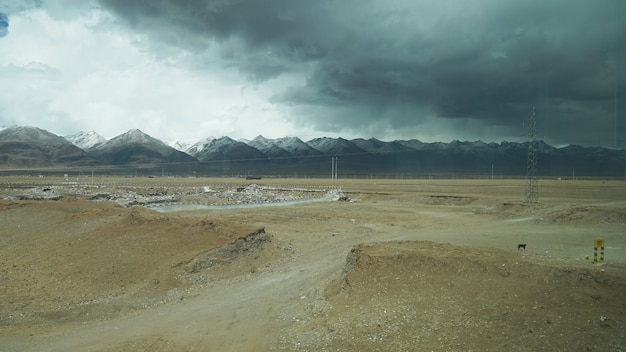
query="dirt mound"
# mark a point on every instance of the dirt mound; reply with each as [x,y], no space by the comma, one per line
[587,214]
[239,257]
[448,200]
[398,295]
[561,214]
[83,261]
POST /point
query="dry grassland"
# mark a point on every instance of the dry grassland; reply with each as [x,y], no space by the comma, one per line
[405,265]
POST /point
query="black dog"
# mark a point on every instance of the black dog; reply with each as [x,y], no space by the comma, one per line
[521,246]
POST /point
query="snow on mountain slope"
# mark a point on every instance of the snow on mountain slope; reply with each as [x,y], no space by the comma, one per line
[182,145]
[132,136]
[221,142]
[85,140]
[329,146]
[26,146]
[261,143]
[199,146]
[269,147]
[296,146]
[30,134]
[226,148]
[136,147]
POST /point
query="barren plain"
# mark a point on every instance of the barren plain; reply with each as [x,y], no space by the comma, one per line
[391,265]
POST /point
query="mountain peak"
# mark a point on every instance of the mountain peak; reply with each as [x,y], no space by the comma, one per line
[136,147]
[85,140]
[132,136]
[261,138]
[339,145]
[260,141]
[269,147]
[26,146]
[24,133]
[182,145]
[296,146]
[136,134]
[374,145]
[226,148]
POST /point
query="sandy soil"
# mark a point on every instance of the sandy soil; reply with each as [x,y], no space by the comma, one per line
[405,265]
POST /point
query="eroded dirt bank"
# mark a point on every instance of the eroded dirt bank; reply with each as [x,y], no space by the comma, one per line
[411,265]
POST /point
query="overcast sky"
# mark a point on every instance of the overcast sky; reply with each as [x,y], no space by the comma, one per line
[435,70]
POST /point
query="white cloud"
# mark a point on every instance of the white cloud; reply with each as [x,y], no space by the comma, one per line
[87,73]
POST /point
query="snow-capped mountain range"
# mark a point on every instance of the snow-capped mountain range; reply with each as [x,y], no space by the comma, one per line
[31,147]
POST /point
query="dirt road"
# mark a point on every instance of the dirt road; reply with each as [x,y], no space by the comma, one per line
[404,265]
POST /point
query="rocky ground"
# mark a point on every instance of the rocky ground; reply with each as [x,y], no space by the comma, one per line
[132,193]
[421,265]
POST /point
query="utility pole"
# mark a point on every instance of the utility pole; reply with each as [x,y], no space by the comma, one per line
[532,187]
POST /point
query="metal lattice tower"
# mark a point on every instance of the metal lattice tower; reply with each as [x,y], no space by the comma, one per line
[333,168]
[532,187]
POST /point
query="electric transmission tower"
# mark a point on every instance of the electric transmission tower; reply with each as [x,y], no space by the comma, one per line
[532,187]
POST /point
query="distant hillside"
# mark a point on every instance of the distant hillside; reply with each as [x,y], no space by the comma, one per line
[136,147]
[269,148]
[227,149]
[31,147]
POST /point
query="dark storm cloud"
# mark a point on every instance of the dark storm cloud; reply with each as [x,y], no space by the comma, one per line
[280,24]
[486,61]
[4,25]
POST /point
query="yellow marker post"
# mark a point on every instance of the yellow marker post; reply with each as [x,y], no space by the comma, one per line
[598,243]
